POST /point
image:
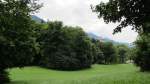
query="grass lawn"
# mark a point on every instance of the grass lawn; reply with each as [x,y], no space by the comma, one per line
[98,74]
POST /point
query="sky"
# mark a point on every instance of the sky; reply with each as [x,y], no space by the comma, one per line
[79,13]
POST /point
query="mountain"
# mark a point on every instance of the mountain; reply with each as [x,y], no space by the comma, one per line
[37,19]
[91,35]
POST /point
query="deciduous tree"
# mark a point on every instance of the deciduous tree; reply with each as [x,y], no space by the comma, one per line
[16,42]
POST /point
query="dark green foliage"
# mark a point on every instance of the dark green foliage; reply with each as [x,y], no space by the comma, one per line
[16,34]
[65,48]
[97,53]
[109,52]
[135,13]
[122,55]
[18,54]
[122,51]
[37,28]
[4,76]
[131,54]
[142,58]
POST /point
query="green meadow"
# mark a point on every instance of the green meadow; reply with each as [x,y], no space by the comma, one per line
[98,74]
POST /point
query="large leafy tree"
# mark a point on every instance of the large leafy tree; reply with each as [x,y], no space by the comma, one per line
[135,13]
[109,52]
[65,48]
[16,41]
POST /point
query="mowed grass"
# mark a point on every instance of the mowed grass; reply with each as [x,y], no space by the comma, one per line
[98,74]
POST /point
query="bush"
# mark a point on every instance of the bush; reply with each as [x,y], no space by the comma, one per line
[65,48]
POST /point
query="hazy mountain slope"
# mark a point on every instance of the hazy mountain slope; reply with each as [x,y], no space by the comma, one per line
[37,19]
[91,35]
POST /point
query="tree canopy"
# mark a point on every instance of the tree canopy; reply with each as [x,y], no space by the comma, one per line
[135,13]
[65,48]
[109,52]
[142,53]
[16,34]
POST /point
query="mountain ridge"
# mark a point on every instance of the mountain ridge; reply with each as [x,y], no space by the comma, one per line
[37,19]
[92,35]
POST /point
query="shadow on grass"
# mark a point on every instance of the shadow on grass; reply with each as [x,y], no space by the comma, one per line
[18,82]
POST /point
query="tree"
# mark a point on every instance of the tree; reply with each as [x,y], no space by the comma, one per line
[38,28]
[135,13]
[97,52]
[122,51]
[65,48]
[109,52]
[131,54]
[16,41]
[143,52]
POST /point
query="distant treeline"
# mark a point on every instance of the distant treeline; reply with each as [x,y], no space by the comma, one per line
[69,48]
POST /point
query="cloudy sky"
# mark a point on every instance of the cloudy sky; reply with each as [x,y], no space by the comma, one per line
[78,13]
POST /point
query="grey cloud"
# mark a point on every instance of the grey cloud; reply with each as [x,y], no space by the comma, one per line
[78,13]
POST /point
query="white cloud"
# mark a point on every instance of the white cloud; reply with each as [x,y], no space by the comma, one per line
[78,13]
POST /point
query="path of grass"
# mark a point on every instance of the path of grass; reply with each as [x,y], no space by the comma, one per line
[98,74]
